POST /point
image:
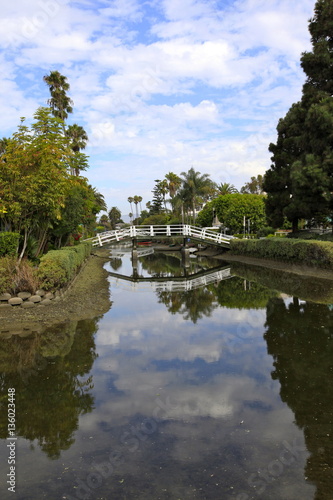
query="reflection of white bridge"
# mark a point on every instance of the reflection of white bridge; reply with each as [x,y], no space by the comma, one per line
[161,232]
[141,252]
[175,284]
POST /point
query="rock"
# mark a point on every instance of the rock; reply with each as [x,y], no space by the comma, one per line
[35,298]
[49,295]
[15,301]
[5,296]
[41,293]
[46,302]
[24,295]
[28,304]
[2,306]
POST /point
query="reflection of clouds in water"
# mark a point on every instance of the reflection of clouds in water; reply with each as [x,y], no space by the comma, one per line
[170,337]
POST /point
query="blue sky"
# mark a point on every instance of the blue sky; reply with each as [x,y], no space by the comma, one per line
[159,85]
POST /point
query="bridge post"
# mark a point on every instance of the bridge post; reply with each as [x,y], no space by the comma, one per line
[185,254]
[135,257]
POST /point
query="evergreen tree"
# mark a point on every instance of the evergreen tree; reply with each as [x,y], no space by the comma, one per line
[157,202]
[299,183]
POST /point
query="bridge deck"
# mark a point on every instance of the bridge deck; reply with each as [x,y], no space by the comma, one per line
[160,232]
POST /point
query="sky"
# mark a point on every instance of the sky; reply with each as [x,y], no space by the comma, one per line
[159,85]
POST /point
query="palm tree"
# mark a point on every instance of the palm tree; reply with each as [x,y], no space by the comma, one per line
[78,139]
[226,188]
[99,201]
[130,200]
[131,217]
[140,200]
[196,188]
[59,102]
[174,183]
[77,136]
[164,189]
[136,201]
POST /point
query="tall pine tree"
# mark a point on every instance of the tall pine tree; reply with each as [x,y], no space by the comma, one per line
[300,181]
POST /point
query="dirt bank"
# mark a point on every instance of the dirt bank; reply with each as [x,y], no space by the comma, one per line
[270,264]
[87,297]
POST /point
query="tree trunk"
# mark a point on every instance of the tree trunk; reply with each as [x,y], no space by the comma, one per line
[25,241]
[295,225]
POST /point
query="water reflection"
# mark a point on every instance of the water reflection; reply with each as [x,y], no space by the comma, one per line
[221,392]
[50,375]
[300,338]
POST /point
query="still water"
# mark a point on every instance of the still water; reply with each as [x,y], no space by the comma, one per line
[180,391]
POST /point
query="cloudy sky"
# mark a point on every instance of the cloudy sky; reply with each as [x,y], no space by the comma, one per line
[159,85]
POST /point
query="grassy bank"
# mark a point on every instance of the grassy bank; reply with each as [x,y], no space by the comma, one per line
[293,251]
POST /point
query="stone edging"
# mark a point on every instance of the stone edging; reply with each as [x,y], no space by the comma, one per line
[26,300]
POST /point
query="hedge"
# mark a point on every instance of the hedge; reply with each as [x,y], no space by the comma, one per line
[8,243]
[58,267]
[313,253]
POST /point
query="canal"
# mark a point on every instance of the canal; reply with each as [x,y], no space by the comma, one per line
[205,382]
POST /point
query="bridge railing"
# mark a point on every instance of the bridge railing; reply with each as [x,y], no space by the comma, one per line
[184,230]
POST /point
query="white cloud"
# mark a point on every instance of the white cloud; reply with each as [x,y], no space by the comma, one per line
[159,87]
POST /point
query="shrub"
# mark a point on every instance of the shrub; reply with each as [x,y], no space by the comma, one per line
[7,269]
[309,252]
[265,231]
[16,277]
[8,243]
[58,267]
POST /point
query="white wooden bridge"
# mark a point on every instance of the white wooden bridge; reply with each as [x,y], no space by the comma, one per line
[161,232]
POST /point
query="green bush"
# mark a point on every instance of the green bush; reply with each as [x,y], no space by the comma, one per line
[265,231]
[59,267]
[7,268]
[309,252]
[8,243]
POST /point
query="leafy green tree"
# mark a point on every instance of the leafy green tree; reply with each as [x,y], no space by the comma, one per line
[59,102]
[3,145]
[231,210]
[34,176]
[104,221]
[77,210]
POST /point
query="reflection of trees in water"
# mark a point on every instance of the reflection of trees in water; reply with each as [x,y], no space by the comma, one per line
[161,264]
[242,294]
[299,337]
[303,286]
[193,305]
[233,293]
[46,372]
[170,264]
[116,263]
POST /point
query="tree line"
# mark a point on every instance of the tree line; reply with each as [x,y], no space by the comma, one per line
[179,199]
[43,195]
